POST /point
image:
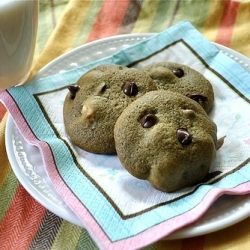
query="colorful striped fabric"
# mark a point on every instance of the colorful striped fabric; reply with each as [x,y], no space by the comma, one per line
[63,25]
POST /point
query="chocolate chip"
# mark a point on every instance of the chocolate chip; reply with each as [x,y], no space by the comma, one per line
[73,89]
[148,121]
[104,87]
[183,136]
[130,89]
[198,98]
[178,72]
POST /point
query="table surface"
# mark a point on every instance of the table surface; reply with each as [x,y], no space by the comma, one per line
[64,25]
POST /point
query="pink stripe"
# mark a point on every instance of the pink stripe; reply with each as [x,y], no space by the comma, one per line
[227,23]
[108,25]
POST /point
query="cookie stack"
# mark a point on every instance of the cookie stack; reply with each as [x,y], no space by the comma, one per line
[155,119]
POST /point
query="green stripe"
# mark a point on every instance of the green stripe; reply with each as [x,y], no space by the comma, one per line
[163,16]
[85,242]
[7,193]
[88,22]
[67,236]
[46,22]
[196,12]
[59,7]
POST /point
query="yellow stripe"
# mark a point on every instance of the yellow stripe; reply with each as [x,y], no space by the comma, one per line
[4,163]
[68,235]
[88,22]
[241,33]
[37,53]
[214,16]
[146,16]
[234,238]
[66,33]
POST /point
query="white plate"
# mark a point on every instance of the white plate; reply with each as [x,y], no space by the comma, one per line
[27,163]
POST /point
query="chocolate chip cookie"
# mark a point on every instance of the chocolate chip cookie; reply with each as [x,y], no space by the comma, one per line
[167,139]
[184,80]
[94,103]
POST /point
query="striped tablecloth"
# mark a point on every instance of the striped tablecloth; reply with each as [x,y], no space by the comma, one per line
[63,25]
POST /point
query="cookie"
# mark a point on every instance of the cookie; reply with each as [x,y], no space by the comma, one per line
[184,80]
[167,139]
[93,105]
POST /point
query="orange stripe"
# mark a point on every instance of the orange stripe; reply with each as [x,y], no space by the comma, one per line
[227,23]
[2,111]
[109,19]
[21,221]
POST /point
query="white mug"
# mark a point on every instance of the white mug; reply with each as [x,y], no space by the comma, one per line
[18,31]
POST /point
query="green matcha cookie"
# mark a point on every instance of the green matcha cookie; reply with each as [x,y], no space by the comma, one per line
[167,139]
[93,105]
[184,80]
